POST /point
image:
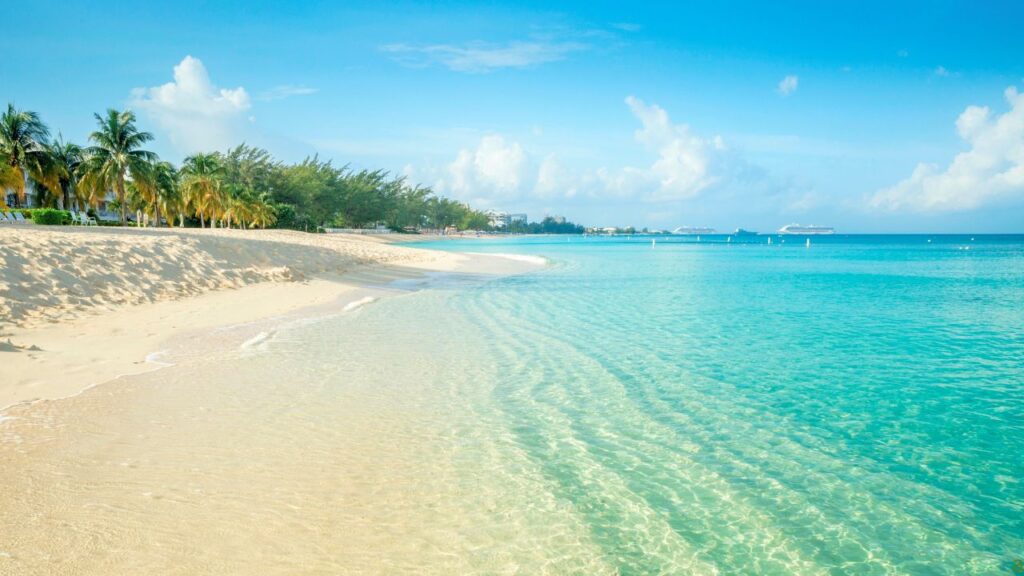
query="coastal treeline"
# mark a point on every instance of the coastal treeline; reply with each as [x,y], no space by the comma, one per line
[243,187]
[549,225]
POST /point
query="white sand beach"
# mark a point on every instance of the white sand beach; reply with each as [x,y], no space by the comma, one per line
[80,306]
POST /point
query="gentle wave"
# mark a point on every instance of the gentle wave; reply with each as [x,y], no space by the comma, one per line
[528,258]
[358,303]
[254,340]
[156,358]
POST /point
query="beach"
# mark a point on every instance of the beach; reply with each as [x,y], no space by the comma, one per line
[623,409]
[81,306]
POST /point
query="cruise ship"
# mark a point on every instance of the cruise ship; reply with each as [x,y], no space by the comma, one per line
[742,232]
[693,230]
[806,230]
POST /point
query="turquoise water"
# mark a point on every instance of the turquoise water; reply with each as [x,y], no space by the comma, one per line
[852,408]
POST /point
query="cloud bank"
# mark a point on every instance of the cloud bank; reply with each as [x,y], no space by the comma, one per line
[195,114]
[498,171]
[990,172]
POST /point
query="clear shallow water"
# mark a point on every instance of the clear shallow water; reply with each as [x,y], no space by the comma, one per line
[857,406]
[713,408]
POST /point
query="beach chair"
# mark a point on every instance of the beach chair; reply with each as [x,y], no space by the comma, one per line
[87,220]
[18,218]
[74,217]
[3,218]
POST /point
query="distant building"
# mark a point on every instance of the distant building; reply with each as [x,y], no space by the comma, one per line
[498,219]
[504,220]
[558,219]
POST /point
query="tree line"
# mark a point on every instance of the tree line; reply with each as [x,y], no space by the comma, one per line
[243,187]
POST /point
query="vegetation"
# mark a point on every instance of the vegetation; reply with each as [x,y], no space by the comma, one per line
[50,216]
[244,187]
[23,150]
[116,156]
[548,226]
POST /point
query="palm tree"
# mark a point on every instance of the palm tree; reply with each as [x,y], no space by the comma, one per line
[23,154]
[117,156]
[166,193]
[262,213]
[65,158]
[201,178]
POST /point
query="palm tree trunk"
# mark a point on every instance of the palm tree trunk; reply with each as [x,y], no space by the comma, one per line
[121,200]
[202,220]
[156,215]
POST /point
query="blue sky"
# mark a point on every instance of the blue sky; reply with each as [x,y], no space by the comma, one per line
[868,117]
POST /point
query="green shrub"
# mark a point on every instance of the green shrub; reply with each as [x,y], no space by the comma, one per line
[50,216]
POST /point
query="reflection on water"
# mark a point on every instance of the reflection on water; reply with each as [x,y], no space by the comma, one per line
[851,409]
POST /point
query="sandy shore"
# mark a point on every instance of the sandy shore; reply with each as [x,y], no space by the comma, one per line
[81,306]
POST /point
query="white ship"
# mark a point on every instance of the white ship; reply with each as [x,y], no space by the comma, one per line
[693,230]
[806,230]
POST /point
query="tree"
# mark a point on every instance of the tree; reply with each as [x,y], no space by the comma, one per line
[166,196]
[23,150]
[201,179]
[65,160]
[116,156]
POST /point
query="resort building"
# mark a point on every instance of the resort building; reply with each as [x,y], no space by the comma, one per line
[504,220]
[104,209]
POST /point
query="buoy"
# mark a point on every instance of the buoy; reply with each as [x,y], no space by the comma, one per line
[653,242]
[808,242]
[729,239]
[769,240]
[698,238]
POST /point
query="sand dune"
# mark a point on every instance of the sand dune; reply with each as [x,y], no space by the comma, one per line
[81,306]
[53,274]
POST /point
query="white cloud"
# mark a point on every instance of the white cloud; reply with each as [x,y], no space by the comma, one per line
[498,171]
[992,170]
[684,165]
[194,113]
[494,170]
[555,180]
[483,57]
[941,71]
[788,85]
[287,90]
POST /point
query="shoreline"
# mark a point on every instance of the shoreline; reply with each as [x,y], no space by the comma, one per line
[46,360]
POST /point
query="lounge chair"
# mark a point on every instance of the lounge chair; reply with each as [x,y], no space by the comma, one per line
[74,217]
[4,219]
[18,218]
[87,220]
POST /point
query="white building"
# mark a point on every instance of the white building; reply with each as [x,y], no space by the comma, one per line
[498,219]
[504,220]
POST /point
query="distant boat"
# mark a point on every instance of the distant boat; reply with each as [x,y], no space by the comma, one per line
[742,232]
[693,230]
[806,230]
